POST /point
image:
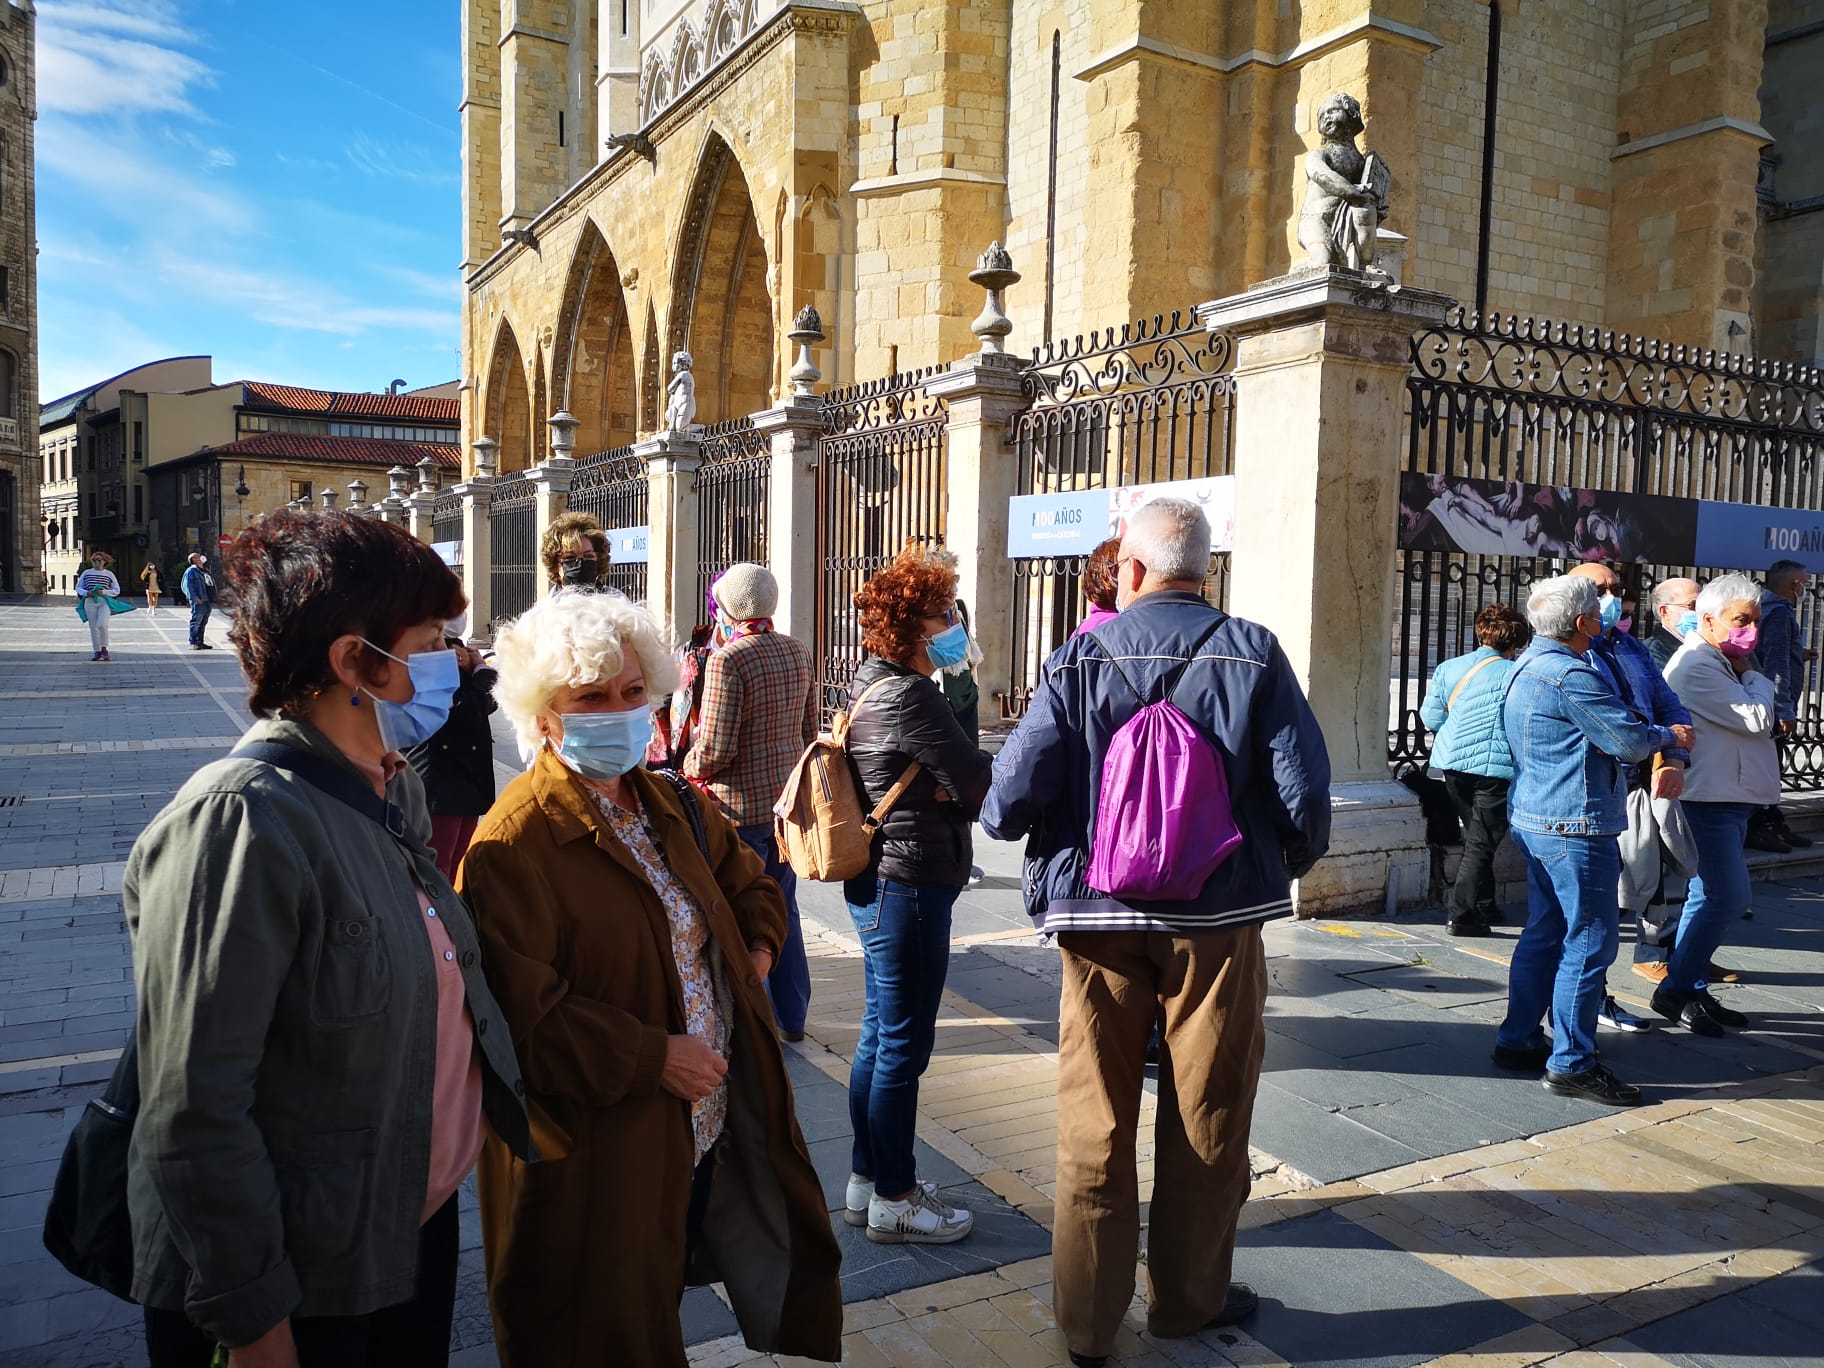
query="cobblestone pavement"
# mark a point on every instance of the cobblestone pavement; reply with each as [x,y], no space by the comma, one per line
[1411,1203]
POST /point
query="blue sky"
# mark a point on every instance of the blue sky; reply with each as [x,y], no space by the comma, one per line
[273,182]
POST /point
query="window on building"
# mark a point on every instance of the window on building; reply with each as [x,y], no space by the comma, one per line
[6,298]
[9,384]
[139,441]
[92,446]
[300,489]
[139,504]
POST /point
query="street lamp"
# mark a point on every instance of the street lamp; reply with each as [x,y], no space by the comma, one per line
[240,493]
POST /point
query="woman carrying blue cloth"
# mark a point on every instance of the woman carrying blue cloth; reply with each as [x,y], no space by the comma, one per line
[98,599]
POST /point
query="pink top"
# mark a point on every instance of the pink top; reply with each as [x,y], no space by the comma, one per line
[1097,616]
[456,1081]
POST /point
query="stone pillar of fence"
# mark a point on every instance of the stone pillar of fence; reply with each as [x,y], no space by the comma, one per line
[421,503]
[552,480]
[1321,364]
[477,548]
[791,533]
[672,460]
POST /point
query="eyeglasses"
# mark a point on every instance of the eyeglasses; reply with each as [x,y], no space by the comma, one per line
[576,560]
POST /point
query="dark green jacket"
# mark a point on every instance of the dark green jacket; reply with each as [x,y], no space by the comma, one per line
[287,1039]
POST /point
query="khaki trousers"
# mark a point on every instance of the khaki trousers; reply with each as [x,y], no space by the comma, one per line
[1212,989]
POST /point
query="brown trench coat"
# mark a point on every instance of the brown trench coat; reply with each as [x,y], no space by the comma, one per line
[585,1250]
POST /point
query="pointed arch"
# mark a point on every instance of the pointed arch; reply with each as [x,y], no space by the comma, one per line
[651,385]
[592,368]
[508,404]
[721,290]
[541,409]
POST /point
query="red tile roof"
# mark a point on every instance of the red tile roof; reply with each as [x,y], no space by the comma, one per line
[368,451]
[290,399]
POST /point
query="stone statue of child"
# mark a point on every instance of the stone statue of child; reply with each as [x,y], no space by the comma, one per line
[1347,195]
[681,403]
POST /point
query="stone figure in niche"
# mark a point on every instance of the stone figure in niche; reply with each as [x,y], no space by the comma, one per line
[681,400]
[1346,197]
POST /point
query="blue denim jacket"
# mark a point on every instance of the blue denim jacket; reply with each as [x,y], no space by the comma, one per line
[1569,733]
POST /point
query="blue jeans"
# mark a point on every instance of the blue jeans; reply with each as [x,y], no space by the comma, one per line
[789,985]
[199,619]
[1562,958]
[905,954]
[1718,896]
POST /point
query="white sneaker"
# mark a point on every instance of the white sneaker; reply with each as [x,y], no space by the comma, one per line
[861,1190]
[920,1219]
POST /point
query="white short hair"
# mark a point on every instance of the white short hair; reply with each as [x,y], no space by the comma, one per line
[1555,605]
[1725,590]
[1171,538]
[574,637]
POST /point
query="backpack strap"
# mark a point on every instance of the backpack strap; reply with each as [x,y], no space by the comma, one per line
[329,778]
[693,807]
[890,799]
[1178,671]
[1472,672]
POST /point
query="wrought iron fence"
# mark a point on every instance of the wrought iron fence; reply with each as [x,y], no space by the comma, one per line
[512,545]
[881,482]
[611,486]
[732,489]
[446,518]
[1148,402]
[1527,401]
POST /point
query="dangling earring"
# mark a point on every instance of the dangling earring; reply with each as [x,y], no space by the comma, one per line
[354,699]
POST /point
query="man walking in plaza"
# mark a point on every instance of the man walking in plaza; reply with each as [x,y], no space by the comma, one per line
[1564,719]
[1782,654]
[1626,666]
[199,591]
[1169,660]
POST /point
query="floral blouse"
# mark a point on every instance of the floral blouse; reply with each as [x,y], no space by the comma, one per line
[707,1006]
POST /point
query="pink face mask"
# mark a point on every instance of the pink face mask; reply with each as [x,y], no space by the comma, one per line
[1740,641]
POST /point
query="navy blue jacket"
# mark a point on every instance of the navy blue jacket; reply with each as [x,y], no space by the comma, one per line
[1240,690]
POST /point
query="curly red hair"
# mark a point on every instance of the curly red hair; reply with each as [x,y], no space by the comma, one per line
[915,585]
[1099,574]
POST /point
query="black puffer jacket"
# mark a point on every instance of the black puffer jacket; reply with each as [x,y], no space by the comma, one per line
[923,841]
[457,763]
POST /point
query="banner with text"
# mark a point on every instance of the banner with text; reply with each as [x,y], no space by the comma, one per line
[1074,524]
[626,545]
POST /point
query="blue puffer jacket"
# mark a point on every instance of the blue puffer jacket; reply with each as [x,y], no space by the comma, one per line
[1238,688]
[1470,738]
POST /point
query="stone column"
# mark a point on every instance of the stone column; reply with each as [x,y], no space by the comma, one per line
[791,533]
[672,460]
[477,554]
[983,393]
[552,479]
[421,503]
[1321,365]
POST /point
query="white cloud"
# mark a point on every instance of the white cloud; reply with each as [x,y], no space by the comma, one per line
[115,58]
[400,161]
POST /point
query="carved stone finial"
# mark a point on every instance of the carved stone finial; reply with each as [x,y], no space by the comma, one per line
[484,448]
[329,499]
[563,425]
[427,476]
[1345,193]
[357,493]
[399,482]
[807,330]
[993,272]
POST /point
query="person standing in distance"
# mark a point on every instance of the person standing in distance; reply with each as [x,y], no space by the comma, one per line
[199,592]
[96,591]
[1198,960]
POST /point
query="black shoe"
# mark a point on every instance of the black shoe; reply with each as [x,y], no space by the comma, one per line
[1472,925]
[1594,1085]
[1767,840]
[1493,916]
[1528,1059]
[1687,1012]
[1725,1016]
[205,647]
[1087,1360]
[1792,838]
[1241,1304]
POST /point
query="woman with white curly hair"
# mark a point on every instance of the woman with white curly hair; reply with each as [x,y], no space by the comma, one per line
[627,932]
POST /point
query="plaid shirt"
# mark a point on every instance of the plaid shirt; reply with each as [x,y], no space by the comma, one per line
[759,713]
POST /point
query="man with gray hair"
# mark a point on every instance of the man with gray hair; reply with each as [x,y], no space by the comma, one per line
[1187,947]
[1783,656]
[1567,727]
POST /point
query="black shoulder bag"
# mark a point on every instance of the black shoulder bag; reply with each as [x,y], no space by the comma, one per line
[87,1227]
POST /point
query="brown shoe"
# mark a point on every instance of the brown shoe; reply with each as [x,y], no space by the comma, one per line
[1717,974]
[1653,971]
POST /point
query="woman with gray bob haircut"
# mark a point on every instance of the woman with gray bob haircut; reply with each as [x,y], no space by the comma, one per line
[1735,768]
[628,931]
[1556,606]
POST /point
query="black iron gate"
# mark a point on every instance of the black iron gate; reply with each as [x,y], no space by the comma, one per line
[881,482]
[512,546]
[446,519]
[1529,402]
[1150,402]
[732,488]
[611,487]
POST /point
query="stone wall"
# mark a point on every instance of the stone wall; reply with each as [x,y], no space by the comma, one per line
[19,459]
[1789,276]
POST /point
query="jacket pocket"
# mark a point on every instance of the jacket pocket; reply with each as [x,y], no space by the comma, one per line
[354,980]
[325,1198]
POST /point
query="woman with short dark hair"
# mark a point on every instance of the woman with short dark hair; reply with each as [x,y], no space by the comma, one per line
[903,732]
[1099,584]
[1463,706]
[317,1044]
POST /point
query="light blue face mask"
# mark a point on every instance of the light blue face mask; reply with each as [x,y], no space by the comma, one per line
[1610,605]
[435,676]
[605,745]
[949,647]
[1687,622]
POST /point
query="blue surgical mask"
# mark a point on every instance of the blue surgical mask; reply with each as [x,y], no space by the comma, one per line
[435,676]
[949,647]
[1687,622]
[605,745]
[1611,611]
